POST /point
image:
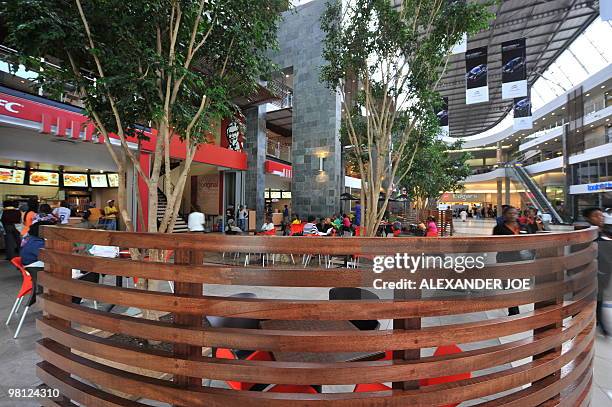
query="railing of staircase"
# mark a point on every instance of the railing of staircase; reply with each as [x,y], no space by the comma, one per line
[542,356]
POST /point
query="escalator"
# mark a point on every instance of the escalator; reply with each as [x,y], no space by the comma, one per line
[535,194]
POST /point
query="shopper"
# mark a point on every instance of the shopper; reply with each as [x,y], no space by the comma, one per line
[11,217]
[30,214]
[531,222]
[595,217]
[358,214]
[310,228]
[85,222]
[243,214]
[509,226]
[432,228]
[94,213]
[45,214]
[110,215]
[463,215]
[296,219]
[196,220]
[63,213]
[268,225]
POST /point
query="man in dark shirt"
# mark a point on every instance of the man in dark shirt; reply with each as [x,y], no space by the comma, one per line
[11,216]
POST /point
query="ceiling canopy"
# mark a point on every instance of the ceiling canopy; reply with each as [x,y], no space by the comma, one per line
[549,27]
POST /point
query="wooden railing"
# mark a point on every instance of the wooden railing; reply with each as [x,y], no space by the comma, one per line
[96,370]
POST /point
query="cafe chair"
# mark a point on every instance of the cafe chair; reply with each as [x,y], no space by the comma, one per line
[224,353]
[442,351]
[367,387]
[292,388]
[353,293]
[26,288]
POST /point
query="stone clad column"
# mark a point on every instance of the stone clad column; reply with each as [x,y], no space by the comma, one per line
[255,148]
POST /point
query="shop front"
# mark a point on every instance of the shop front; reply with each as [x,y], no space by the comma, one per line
[278,189]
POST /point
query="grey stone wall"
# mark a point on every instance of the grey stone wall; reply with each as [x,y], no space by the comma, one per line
[316,114]
[255,148]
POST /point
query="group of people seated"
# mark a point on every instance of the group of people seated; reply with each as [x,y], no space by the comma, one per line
[324,226]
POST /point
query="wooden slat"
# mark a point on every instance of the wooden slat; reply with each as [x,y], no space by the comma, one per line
[581,351]
[306,341]
[308,373]
[313,309]
[299,277]
[332,245]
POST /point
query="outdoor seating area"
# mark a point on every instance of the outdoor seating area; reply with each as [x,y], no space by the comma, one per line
[258,335]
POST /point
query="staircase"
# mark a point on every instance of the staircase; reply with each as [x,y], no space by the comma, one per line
[537,197]
[180,226]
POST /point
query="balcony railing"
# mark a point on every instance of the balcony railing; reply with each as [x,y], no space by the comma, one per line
[278,150]
[308,343]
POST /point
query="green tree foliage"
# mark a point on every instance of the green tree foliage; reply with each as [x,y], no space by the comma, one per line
[435,169]
[386,62]
[171,65]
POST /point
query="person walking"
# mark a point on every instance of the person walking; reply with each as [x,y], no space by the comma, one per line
[463,214]
[509,226]
[595,217]
[286,220]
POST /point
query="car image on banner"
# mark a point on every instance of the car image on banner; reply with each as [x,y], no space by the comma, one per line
[522,114]
[476,71]
[514,69]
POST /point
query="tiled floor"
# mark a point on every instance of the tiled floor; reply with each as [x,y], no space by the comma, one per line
[18,357]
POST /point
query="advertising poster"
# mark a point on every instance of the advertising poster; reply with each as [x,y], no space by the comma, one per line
[50,179]
[75,180]
[12,176]
[442,114]
[477,89]
[514,69]
[522,114]
[113,180]
[98,180]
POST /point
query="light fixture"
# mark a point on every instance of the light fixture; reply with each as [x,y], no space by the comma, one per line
[563,108]
[592,125]
[552,114]
[546,143]
[588,94]
[286,75]
[321,161]
[603,86]
[607,120]
[556,139]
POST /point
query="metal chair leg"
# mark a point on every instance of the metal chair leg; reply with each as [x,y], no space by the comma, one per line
[171,286]
[19,305]
[12,311]
[25,312]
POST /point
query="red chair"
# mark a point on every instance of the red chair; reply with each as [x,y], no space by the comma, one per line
[294,229]
[442,351]
[363,388]
[292,388]
[26,288]
[224,353]
[268,233]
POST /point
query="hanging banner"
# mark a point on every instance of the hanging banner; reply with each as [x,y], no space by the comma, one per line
[477,89]
[514,69]
[461,46]
[442,114]
[605,10]
[522,114]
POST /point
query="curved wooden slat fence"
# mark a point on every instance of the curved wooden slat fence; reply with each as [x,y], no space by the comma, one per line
[557,335]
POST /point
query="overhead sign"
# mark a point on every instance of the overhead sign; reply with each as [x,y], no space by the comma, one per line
[476,70]
[605,9]
[276,168]
[522,114]
[600,186]
[514,69]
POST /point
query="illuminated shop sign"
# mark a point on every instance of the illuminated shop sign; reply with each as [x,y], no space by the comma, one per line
[599,186]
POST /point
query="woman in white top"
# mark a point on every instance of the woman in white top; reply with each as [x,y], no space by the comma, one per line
[268,226]
[196,220]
